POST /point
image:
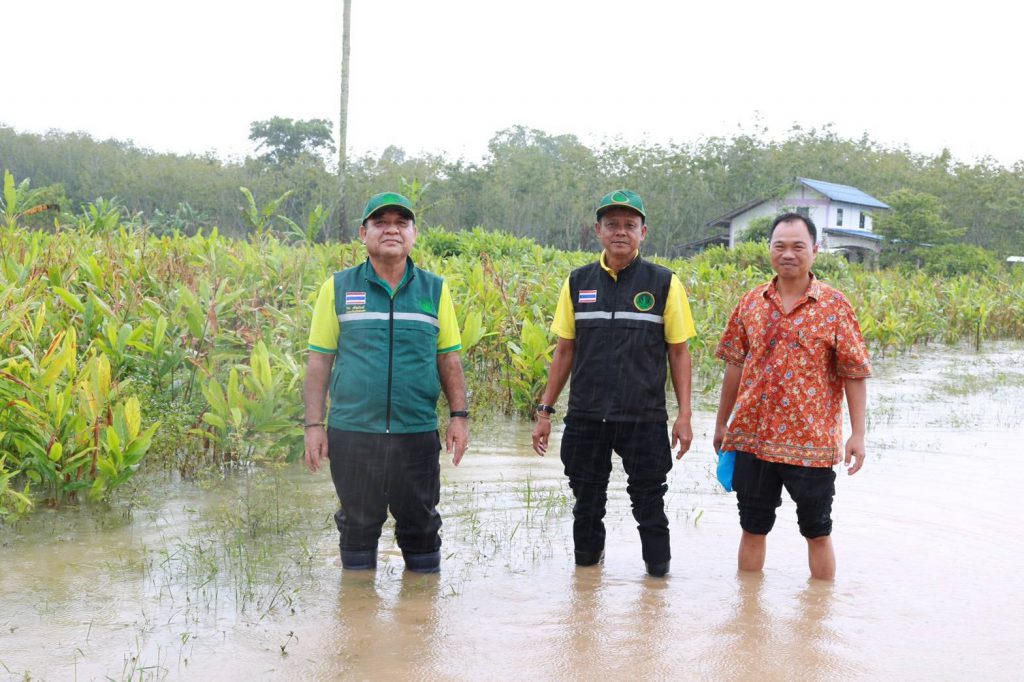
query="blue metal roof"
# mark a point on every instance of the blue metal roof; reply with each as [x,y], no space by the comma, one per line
[854,233]
[844,193]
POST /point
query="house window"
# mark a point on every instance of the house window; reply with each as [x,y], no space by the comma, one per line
[839,217]
[805,211]
[863,220]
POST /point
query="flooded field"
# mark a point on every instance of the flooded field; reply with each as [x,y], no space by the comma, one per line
[240,578]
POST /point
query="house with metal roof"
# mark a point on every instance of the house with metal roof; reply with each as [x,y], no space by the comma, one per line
[842,213]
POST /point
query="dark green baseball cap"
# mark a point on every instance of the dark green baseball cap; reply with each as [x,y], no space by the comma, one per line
[623,198]
[388,200]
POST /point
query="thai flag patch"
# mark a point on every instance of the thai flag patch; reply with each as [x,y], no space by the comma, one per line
[588,296]
[354,298]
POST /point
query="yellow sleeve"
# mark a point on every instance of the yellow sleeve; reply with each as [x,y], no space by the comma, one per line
[324,329]
[678,319]
[564,324]
[448,339]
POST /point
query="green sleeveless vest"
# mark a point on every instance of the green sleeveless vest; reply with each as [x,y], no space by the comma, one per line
[385,377]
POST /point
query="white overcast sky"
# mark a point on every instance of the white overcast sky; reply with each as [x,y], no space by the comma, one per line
[445,75]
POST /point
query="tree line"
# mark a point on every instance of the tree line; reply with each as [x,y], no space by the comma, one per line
[530,183]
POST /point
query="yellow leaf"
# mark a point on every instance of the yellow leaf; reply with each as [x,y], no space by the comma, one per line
[37,327]
[103,375]
[260,362]
[133,416]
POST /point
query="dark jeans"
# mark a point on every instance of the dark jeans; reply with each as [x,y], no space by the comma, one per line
[647,458]
[758,485]
[373,472]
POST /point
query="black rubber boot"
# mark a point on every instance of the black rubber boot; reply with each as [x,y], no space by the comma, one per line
[589,558]
[427,562]
[657,569]
[359,559]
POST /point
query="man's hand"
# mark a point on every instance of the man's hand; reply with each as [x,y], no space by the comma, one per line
[457,438]
[540,435]
[316,447]
[682,434]
[719,437]
[854,452]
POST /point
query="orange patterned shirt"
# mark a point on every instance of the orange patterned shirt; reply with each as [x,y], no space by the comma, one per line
[789,404]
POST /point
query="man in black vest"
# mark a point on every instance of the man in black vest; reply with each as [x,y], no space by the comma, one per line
[616,321]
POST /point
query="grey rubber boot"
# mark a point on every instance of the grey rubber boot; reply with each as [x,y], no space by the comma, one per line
[427,562]
[657,569]
[589,558]
[359,559]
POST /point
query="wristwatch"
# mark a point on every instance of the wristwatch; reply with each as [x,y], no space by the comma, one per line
[459,413]
[541,407]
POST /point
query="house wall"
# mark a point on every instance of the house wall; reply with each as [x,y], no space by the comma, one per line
[869,224]
[741,222]
[851,216]
[823,211]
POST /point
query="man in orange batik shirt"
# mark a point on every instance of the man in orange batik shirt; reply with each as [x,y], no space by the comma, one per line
[792,348]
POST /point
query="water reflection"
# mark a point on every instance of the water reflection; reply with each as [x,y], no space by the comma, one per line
[772,635]
[584,640]
[744,646]
[385,625]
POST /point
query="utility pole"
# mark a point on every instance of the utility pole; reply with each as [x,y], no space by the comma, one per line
[342,227]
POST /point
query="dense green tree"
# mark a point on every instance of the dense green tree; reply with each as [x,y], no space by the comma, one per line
[285,141]
[951,260]
[915,220]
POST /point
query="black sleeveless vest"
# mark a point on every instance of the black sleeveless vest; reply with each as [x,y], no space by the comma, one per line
[619,365]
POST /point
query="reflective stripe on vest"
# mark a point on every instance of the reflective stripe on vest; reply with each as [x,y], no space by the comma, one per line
[623,315]
[416,317]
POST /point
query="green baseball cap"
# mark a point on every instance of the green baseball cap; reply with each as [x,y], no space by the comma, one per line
[386,200]
[624,198]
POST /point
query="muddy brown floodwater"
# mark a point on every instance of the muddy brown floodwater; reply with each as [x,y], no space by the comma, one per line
[239,578]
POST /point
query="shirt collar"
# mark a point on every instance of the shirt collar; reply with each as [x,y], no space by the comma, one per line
[371,275]
[813,290]
[614,275]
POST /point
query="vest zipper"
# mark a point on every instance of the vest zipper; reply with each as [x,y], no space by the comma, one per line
[611,338]
[391,357]
[391,347]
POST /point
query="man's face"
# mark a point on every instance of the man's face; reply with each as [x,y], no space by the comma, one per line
[620,231]
[388,234]
[792,250]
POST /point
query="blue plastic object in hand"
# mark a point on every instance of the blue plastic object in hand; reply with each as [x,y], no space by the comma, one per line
[726,464]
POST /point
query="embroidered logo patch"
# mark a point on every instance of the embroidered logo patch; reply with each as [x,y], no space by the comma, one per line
[426,306]
[588,296]
[355,299]
[644,301]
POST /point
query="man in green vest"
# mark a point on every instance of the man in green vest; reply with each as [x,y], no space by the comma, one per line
[384,340]
[617,321]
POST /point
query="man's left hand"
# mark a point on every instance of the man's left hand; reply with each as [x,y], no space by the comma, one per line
[682,435]
[854,452]
[457,438]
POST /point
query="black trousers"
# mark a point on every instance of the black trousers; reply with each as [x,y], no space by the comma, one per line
[647,458]
[375,472]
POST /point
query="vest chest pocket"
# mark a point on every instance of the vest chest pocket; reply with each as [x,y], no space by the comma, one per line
[415,347]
